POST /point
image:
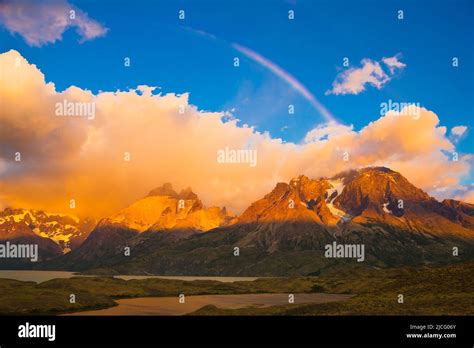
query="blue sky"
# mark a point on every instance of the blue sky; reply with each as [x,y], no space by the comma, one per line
[164,52]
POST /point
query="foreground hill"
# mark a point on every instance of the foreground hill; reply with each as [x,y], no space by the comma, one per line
[284,233]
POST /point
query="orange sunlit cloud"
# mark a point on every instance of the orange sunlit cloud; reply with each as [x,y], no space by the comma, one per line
[169,140]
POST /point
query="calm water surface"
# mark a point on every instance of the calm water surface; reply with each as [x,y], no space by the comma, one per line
[42,276]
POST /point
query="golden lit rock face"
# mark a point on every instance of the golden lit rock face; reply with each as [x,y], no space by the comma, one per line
[292,222]
[165,209]
[372,187]
[373,195]
[302,199]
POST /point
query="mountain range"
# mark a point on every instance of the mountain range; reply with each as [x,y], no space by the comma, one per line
[284,233]
[55,234]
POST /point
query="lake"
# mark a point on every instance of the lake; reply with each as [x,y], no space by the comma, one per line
[42,276]
[171,305]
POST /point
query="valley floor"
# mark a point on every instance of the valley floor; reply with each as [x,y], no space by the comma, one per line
[172,306]
[443,290]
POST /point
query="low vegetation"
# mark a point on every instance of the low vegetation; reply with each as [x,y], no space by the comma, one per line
[443,290]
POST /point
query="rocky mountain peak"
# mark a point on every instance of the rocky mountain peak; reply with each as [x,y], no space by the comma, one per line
[67,231]
[379,190]
[164,190]
[375,206]
[187,193]
[301,199]
[163,209]
[367,195]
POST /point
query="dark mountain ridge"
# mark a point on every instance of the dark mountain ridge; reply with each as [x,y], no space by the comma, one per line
[286,232]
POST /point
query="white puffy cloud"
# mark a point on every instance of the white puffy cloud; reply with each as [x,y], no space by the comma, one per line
[326,131]
[355,80]
[65,158]
[43,22]
[457,132]
[393,63]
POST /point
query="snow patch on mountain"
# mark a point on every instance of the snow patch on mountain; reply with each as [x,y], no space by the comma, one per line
[385,209]
[337,186]
[332,194]
[65,230]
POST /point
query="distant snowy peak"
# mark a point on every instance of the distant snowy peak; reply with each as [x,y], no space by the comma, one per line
[67,231]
